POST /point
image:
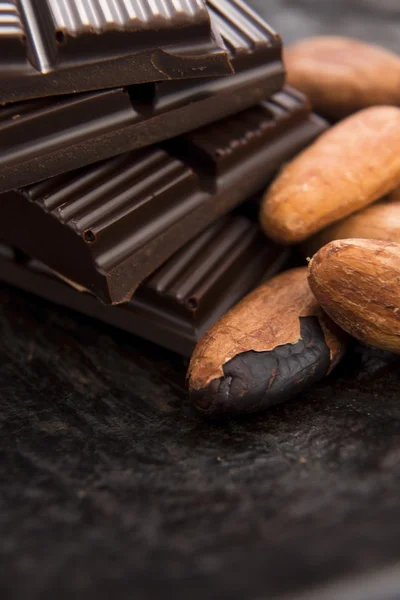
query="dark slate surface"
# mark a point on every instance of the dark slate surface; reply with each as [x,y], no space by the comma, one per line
[112,486]
[375,21]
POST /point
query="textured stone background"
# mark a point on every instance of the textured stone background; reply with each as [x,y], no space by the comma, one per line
[112,486]
[371,20]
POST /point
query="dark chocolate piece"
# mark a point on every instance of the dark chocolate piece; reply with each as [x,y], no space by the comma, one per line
[45,137]
[109,226]
[183,298]
[52,47]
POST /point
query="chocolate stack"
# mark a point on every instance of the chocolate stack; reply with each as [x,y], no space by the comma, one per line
[129,129]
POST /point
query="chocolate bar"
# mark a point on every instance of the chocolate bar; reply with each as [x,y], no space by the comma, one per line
[179,302]
[52,47]
[46,137]
[109,226]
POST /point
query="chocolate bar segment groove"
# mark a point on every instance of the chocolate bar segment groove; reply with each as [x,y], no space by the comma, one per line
[45,137]
[179,302]
[52,33]
[109,226]
[52,47]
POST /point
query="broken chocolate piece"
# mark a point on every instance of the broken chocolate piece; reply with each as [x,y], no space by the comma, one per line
[56,47]
[45,137]
[181,300]
[109,226]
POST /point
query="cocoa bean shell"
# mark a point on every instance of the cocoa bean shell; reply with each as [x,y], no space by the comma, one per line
[381,221]
[350,166]
[342,75]
[270,347]
[357,282]
[253,381]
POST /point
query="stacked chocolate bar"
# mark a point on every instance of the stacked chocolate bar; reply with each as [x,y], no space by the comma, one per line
[129,129]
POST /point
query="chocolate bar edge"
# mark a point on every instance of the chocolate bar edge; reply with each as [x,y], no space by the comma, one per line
[171,61]
[139,317]
[236,98]
[245,179]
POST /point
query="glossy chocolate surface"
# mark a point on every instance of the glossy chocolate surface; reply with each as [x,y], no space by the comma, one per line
[109,226]
[48,136]
[57,47]
[183,298]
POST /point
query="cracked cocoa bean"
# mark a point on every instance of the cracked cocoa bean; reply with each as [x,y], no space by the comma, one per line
[273,345]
